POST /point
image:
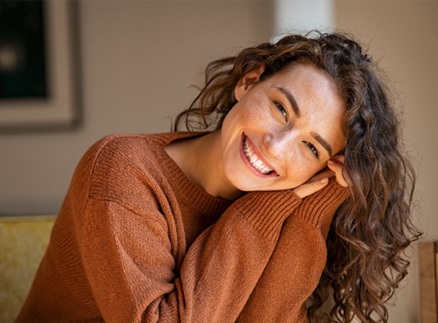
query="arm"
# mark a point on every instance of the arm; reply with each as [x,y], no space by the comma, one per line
[131,268]
[297,262]
[237,249]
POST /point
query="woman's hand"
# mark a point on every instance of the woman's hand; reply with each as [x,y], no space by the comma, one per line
[320,180]
[336,165]
[313,185]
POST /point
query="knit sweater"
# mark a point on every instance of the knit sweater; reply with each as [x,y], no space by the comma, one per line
[137,241]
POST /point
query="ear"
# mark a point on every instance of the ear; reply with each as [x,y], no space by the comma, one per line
[247,81]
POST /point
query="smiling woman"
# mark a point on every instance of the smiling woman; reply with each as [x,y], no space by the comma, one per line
[296,186]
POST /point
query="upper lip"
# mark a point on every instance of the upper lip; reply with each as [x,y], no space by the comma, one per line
[257,152]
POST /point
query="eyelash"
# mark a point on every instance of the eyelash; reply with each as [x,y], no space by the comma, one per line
[282,110]
[312,149]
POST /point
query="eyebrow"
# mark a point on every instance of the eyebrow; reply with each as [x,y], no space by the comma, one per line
[323,143]
[297,111]
[291,100]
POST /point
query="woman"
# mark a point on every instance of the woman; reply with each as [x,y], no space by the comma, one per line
[299,144]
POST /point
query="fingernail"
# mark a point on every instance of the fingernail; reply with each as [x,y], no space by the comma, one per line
[324,180]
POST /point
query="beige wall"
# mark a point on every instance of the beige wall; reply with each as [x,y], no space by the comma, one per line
[138,58]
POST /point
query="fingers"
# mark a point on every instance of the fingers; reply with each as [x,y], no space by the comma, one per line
[311,187]
[320,180]
[323,174]
[336,165]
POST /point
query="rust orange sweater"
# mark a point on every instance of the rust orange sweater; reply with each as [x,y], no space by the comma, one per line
[137,241]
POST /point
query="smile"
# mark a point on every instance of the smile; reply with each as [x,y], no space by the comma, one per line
[254,160]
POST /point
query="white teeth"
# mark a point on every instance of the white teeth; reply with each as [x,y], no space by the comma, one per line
[252,158]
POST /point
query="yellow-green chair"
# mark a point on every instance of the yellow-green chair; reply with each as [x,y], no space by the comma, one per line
[23,241]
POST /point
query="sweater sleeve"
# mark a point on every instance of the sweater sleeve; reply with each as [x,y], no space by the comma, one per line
[129,262]
[296,265]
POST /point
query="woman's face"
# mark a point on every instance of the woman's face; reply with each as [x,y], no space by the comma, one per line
[283,130]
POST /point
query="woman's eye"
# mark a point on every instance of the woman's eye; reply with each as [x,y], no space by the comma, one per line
[282,109]
[312,149]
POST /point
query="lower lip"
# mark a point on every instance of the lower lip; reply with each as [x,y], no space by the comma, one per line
[248,164]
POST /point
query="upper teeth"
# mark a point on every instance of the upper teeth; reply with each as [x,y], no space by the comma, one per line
[252,158]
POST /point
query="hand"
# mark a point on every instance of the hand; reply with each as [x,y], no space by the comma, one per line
[336,165]
[320,180]
[313,185]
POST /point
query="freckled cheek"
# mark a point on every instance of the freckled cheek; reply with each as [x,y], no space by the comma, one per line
[253,121]
[255,109]
[299,169]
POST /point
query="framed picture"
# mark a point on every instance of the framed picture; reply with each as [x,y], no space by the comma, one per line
[39,67]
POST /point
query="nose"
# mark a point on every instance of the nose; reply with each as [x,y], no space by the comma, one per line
[279,143]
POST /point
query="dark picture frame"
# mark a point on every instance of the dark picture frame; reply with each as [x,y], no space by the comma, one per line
[46,96]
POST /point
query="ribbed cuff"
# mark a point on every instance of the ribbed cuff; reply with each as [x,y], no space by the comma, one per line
[268,210]
[318,209]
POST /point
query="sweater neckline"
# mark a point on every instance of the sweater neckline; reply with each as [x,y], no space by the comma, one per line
[192,193]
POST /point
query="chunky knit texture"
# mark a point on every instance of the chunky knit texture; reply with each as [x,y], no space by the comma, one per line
[137,241]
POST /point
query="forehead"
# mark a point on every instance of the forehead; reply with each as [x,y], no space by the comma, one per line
[307,83]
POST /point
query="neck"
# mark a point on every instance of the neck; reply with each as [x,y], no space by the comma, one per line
[200,159]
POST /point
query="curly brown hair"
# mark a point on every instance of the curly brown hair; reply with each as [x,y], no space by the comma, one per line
[372,229]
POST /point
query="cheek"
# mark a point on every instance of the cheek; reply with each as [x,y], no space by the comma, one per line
[235,118]
[300,169]
[253,107]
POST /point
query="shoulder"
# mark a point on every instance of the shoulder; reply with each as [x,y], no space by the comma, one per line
[128,167]
[119,144]
[106,163]
[115,152]
[112,154]
[132,145]
[117,149]
[121,160]
[124,168]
